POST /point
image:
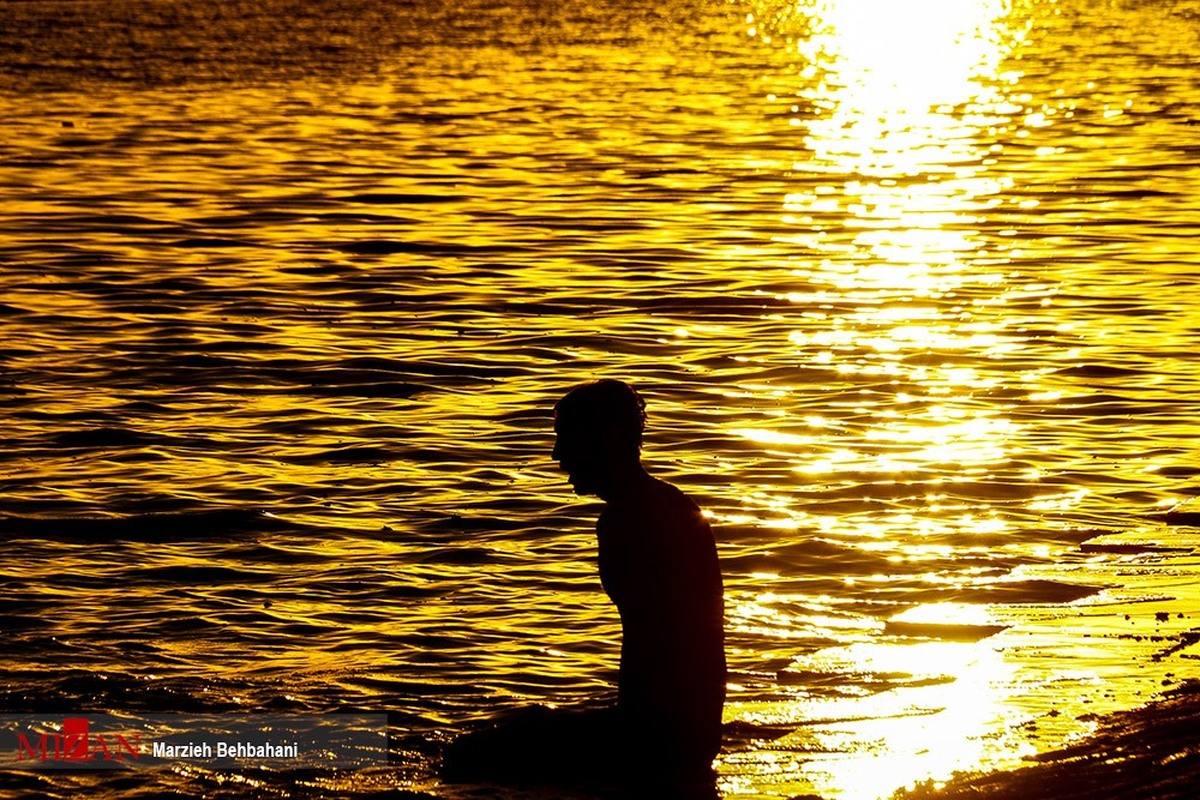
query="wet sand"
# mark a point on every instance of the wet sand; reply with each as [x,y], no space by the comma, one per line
[1149,753]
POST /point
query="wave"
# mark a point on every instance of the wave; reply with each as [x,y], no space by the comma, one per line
[146,527]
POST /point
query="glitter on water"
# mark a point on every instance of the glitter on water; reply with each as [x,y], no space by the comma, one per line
[911,293]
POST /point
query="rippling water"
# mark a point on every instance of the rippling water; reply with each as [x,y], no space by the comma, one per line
[913,295]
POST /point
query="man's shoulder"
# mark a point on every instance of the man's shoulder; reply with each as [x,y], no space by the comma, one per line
[656,505]
[673,495]
[675,507]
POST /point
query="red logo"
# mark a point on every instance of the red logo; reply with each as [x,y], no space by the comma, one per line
[76,741]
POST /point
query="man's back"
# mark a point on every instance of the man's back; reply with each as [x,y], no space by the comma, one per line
[658,563]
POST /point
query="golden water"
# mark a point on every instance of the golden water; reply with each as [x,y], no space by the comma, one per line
[911,290]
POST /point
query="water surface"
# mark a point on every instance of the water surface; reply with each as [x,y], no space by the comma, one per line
[912,295]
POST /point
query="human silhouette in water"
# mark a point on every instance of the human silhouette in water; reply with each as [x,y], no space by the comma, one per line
[658,564]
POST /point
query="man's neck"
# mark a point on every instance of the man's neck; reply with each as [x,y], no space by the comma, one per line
[625,482]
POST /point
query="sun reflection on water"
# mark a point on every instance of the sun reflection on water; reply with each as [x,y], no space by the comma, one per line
[895,289]
[951,691]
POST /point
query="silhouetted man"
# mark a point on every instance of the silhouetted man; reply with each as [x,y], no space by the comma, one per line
[658,564]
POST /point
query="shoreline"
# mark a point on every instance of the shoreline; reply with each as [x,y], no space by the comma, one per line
[1149,753]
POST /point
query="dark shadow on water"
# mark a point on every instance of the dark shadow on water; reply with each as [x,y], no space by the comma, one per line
[164,527]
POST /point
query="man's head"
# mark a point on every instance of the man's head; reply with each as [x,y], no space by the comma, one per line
[598,429]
